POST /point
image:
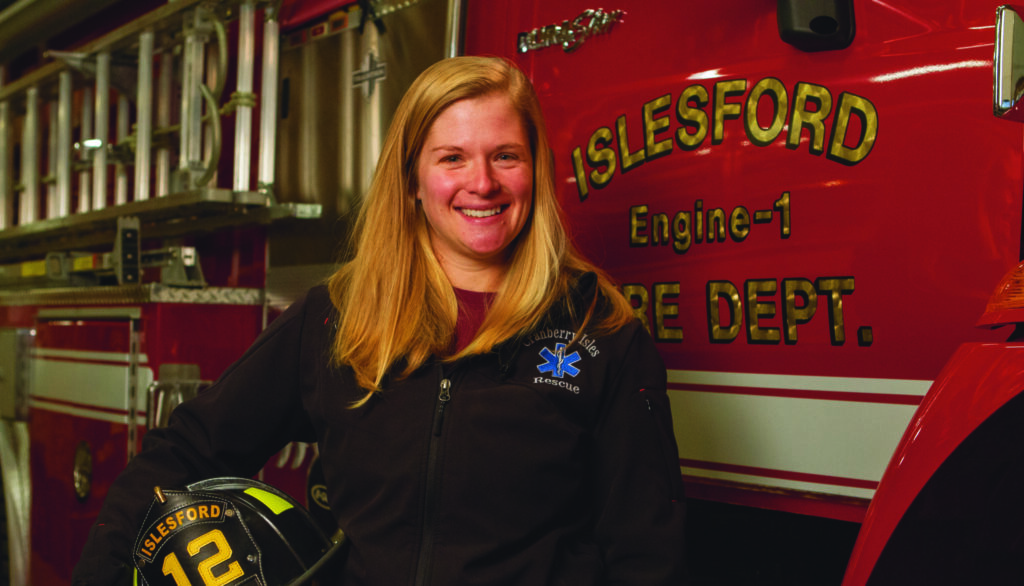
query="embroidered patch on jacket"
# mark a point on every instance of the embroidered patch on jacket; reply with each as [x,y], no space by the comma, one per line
[585,343]
[557,364]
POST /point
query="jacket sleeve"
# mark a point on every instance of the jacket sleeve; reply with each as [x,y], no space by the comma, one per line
[231,429]
[639,503]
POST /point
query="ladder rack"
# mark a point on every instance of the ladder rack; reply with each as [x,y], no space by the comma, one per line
[129,124]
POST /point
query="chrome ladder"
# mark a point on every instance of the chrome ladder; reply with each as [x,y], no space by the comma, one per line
[60,115]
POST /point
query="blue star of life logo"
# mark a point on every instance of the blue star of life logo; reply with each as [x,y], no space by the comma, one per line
[557,363]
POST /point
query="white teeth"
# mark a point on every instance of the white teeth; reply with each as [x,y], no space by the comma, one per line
[481,213]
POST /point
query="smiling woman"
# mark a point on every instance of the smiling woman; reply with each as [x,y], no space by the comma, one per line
[475,179]
[467,140]
[486,406]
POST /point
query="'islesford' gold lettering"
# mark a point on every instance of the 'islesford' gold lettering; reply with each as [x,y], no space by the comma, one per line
[177,520]
[844,129]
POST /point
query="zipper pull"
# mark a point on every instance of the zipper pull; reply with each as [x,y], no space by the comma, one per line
[446,395]
[647,401]
[442,400]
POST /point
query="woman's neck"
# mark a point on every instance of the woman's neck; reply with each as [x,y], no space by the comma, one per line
[482,278]
[472,311]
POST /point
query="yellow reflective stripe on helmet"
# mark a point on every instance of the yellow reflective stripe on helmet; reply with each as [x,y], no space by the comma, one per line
[273,502]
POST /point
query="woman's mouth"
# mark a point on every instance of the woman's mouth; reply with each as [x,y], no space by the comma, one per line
[485,213]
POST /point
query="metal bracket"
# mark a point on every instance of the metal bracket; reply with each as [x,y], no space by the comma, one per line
[15,369]
[126,250]
[179,266]
[370,12]
[175,384]
[816,25]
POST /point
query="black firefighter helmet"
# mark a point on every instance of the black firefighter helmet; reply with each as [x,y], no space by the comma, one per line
[230,531]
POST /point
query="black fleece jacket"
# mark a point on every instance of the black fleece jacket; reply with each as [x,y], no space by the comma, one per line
[542,465]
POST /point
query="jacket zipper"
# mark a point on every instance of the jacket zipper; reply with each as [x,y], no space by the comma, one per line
[442,400]
[423,567]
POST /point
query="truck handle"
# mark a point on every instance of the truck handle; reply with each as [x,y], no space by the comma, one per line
[1008,65]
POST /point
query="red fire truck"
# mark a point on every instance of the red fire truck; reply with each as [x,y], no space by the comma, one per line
[811,205]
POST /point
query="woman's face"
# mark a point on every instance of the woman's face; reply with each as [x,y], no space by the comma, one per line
[475,182]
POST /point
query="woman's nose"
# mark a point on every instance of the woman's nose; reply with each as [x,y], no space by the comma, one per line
[483,180]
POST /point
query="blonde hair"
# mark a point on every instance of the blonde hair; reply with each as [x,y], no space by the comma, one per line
[394,300]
